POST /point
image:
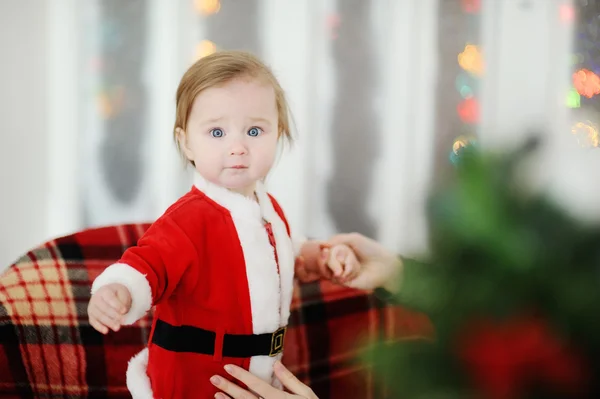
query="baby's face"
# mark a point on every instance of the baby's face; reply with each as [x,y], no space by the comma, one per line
[232,134]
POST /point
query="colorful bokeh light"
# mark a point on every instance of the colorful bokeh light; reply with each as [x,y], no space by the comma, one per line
[471,60]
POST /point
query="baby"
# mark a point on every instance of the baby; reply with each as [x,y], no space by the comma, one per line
[218,265]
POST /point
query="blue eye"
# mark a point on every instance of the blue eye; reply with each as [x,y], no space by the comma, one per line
[216,133]
[255,131]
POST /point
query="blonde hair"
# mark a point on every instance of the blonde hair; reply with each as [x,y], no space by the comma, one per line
[220,68]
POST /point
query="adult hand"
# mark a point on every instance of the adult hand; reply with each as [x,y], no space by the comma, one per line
[259,388]
[380,267]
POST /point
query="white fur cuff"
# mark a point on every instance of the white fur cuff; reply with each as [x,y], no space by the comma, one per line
[136,283]
[138,381]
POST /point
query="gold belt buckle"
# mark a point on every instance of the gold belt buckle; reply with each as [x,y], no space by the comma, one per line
[277,341]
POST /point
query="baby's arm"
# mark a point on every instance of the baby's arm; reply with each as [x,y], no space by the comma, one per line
[308,261]
[144,275]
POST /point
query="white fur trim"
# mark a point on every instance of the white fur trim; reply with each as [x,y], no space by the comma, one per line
[262,367]
[285,252]
[138,381]
[136,283]
[270,305]
[243,206]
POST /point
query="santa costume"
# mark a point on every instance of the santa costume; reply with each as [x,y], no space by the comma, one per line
[218,267]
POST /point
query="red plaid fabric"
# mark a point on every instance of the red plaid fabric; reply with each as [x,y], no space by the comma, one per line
[330,326]
[48,349]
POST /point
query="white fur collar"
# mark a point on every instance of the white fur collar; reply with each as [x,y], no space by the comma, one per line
[237,203]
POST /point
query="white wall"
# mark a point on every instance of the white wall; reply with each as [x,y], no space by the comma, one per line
[23,124]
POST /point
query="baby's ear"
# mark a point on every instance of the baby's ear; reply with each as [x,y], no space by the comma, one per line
[182,142]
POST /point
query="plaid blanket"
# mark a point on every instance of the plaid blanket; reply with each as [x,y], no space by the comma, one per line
[48,349]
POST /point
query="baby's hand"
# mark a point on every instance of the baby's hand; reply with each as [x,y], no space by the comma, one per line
[107,307]
[342,262]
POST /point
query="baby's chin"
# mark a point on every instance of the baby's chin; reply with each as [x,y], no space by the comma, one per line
[245,187]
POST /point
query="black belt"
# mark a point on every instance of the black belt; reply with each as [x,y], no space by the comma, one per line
[198,340]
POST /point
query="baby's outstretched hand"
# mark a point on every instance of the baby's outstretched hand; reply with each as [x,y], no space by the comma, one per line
[107,307]
[341,260]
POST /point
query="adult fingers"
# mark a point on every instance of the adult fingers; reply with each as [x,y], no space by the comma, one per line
[293,384]
[255,384]
[323,263]
[351,267]
[231,389]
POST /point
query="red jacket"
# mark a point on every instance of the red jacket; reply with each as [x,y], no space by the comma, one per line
[206,262]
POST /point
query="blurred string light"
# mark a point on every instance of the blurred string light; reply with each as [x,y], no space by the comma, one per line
[586,57]
[459,145]
[586,82]
[577,59]
[110,101]
[468,111]
[586,134]
[585,89]
[332,24]
[207,7]
[204,48]
[567,13]
[464,85]
[573,99]
[471,6]
[110,97]
[471,62]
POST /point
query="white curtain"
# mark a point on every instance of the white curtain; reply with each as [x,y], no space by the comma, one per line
[378,95]
[372,87]
[359,75]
